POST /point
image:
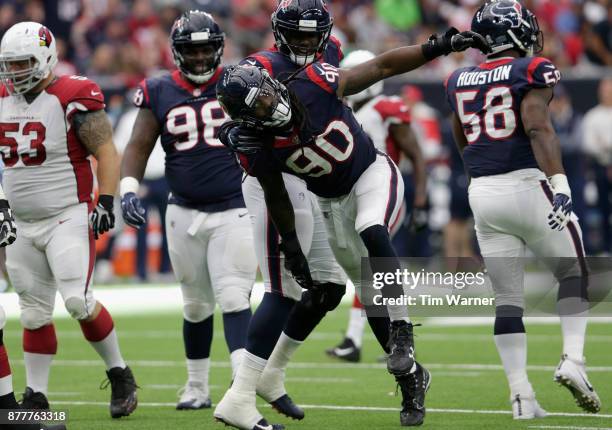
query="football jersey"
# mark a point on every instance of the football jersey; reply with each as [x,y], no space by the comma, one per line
[47,169]
[201,172]
[332,155]
[487,100]
[280,66]
[377,115]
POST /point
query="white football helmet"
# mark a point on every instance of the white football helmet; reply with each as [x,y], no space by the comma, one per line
[354,59]
[32,45]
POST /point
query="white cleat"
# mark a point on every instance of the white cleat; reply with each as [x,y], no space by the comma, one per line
[526,407]
[194,395]
[237,409]
[572,375]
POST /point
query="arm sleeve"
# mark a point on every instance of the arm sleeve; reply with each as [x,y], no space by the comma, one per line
[325,76]
[541,73]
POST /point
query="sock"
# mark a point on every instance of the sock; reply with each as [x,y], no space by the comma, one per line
[272,384]
[236,359]
[267,324]
[511,343]
[356,326]
[197,337]
[573,313]
[39,348]
[380,327]
[248,373]
[102,336]
[197,370]
[235,327]
[7,398]
[304,317]
[383,259]
[283,351]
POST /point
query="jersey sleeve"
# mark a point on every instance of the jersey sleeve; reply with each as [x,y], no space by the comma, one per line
[393,110]
[256,164]
[324,75]
[542,73]
[338,47]
[142,97]
[258,60]
[85,95]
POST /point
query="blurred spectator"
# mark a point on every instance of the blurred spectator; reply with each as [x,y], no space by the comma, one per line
[598,143]
[599,41]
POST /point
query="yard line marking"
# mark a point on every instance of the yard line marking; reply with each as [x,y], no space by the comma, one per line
[362,408]
[173,386]
[320,380]
[313,365]
[569,427]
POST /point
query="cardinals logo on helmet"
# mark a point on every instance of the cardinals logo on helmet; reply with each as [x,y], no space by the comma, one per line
[45,36]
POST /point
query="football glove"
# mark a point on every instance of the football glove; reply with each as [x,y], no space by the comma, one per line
[241,138]
[102,217]
[295,261]
[454,41]
[561,212]
[132,210]
[418,219]
[8,228]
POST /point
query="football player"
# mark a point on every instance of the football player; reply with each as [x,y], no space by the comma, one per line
[387,121]
[286,316]
[306,130]
[49,127]
[210,238]
[519,193]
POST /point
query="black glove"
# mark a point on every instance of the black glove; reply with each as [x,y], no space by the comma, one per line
[453,41]
[102,217]
[132,210]
[8,228]
[418,219]
[295,261]
[241,138]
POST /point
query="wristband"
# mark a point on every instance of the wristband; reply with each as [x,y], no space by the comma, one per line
[129,184]
[560,184]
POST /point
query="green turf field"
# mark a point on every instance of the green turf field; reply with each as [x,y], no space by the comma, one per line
[468,388]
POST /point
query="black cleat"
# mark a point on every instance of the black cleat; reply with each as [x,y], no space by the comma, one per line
[123,391]
[401,356]
[285,406]
[34,400]
[346,350]
[413,387]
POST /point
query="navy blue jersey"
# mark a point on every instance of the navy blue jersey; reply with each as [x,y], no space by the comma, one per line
[487,100]
[280,67]
[330,156]
[202,174]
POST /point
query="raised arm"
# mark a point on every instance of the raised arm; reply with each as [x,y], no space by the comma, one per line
[405,59]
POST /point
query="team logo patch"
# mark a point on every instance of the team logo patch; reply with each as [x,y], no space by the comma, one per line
[45,36]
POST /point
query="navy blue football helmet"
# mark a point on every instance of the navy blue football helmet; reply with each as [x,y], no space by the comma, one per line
[292,19]
[250,94]
[507,24]
[196,28]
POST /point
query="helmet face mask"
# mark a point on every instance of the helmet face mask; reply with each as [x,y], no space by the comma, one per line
[27,56]
[197,45]
[506,24]
[301,29]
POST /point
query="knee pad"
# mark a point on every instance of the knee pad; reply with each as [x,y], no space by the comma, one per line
[78,308]
[2,318]
[233,299]
[196,312]
[33,319]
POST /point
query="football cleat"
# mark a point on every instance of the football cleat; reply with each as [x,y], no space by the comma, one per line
[123,391]
[34,400]
[572,375]
[346,350]
[414,387]
[271,388]
[193,396]
[401,356]
[526,407]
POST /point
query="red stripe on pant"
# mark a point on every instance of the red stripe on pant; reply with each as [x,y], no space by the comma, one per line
[392,199]
[40,341]
[5,367]
[98,329]
[356,303]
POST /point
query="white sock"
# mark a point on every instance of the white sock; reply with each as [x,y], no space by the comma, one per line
[197,370]
[512,350]
[108,349]
[356,326]
[6,385]
[573,326]
[284,349]
[249,372]
[37,371]
[235,359]
[272,383]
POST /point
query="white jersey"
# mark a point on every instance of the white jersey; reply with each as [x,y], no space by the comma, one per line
[47,169]
[377,115]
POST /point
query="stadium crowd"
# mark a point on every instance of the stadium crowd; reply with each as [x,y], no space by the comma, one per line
[118,43]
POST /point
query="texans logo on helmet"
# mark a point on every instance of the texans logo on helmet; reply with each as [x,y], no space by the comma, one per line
[284,4]
[45,36]
[513,18]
